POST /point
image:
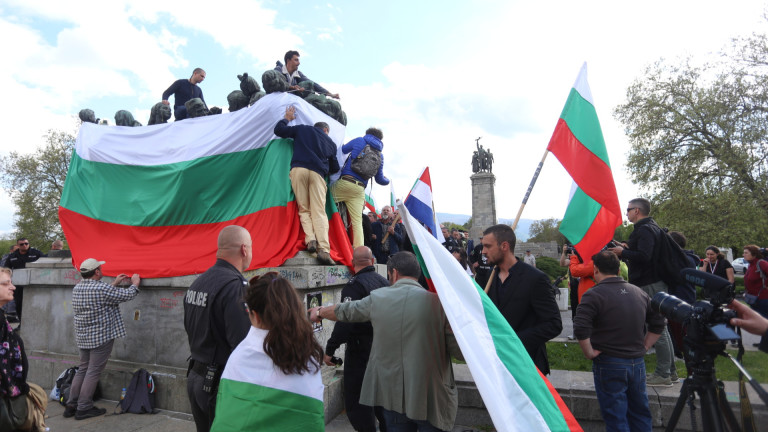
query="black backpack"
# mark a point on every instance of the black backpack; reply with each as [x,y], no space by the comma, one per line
[670,261]
[64,383]
[140,394]
[367,162]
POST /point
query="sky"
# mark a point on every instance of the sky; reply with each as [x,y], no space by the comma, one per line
[434,76]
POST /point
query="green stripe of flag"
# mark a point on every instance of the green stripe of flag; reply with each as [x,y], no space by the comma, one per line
[204,190]
[579,215]
[581,117]
[252,405]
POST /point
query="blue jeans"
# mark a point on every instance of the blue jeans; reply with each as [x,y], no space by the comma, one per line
[620,389]
[397,422]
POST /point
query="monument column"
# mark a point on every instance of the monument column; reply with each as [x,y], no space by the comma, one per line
[483,196]
[483,203]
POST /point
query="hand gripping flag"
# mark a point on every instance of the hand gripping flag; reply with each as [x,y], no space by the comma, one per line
[593,211]
[419,202]
[152,200]
[517,396]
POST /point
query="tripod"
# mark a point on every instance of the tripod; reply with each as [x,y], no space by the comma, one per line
[716,413]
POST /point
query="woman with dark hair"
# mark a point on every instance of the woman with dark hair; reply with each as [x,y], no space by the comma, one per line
[461,256]
[272,380]
[14,389]
[716,264]
[755,283]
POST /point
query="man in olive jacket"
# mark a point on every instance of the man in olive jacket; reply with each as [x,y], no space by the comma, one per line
[409,372]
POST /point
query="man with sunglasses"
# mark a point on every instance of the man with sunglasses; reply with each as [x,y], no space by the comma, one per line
[18,260]
[638,252]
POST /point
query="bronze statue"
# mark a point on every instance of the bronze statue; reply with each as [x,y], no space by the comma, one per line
[482,159]
[160,114]
[87,116]
[125,118]
[196,108]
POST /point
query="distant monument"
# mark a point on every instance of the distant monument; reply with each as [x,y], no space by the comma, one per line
[483,195]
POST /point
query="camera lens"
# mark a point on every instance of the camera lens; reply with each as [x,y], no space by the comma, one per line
[671,307]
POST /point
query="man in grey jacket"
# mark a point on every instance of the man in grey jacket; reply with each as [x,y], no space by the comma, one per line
[409,372]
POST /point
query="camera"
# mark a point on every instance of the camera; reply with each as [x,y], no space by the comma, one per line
[705,321]
[569,249]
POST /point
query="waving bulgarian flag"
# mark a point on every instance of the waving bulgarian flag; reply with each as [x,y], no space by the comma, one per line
[517,395]
[152,200]
[370,204]
[593,211]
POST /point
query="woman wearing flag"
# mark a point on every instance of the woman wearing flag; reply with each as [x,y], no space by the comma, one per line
[272,380]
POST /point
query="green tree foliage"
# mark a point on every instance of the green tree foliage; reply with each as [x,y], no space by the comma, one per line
[35,182]
[698,136]
[550,266]
[545,230]
[623,231]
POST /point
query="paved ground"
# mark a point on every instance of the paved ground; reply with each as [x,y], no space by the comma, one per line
[164,421]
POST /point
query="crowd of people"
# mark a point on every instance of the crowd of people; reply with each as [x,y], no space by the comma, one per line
[252,345]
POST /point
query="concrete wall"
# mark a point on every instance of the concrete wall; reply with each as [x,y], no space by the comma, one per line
[154,322]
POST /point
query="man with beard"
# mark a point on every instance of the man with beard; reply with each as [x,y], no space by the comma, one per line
[522,294]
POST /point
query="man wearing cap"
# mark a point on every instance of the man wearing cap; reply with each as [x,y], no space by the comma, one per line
[98,323]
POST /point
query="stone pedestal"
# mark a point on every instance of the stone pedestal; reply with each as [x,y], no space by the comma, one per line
[483,203]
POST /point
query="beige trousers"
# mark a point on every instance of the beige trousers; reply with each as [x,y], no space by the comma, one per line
[310,190]
[354,196]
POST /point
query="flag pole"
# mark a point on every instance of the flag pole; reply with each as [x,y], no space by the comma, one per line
[530,188]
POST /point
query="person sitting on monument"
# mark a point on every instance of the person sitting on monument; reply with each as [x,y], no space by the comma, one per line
[293,76]
[184,90]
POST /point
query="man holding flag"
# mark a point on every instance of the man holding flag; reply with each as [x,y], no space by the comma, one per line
[522,294]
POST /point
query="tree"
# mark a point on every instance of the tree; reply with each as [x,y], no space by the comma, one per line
[623,231]
[35,182]
[698,136]
[546,230]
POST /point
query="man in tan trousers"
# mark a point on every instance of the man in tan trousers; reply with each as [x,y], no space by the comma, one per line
[314,158]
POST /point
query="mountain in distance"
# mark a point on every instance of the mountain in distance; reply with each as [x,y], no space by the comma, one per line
[523,225]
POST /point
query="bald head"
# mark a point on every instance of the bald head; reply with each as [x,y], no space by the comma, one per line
[362,257]
[234,246]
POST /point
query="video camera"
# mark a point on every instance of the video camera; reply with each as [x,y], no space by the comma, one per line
[705,321]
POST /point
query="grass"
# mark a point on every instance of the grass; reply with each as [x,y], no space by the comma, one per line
[568,356]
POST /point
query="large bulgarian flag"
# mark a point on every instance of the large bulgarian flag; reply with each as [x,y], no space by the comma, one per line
[593,211]
[518,397]
[152,200]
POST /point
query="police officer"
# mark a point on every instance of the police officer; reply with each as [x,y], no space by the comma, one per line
[216,320]
[358,337]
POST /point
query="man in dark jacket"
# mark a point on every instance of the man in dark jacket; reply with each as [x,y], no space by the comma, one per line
[184,90]
[610,325]
[350,188]
[387,236]
[358,337]
[18,260]
[639,252]
[314,158]
[522,294]
[216,320]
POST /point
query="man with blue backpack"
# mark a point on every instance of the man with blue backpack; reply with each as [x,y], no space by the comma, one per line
[365,161]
